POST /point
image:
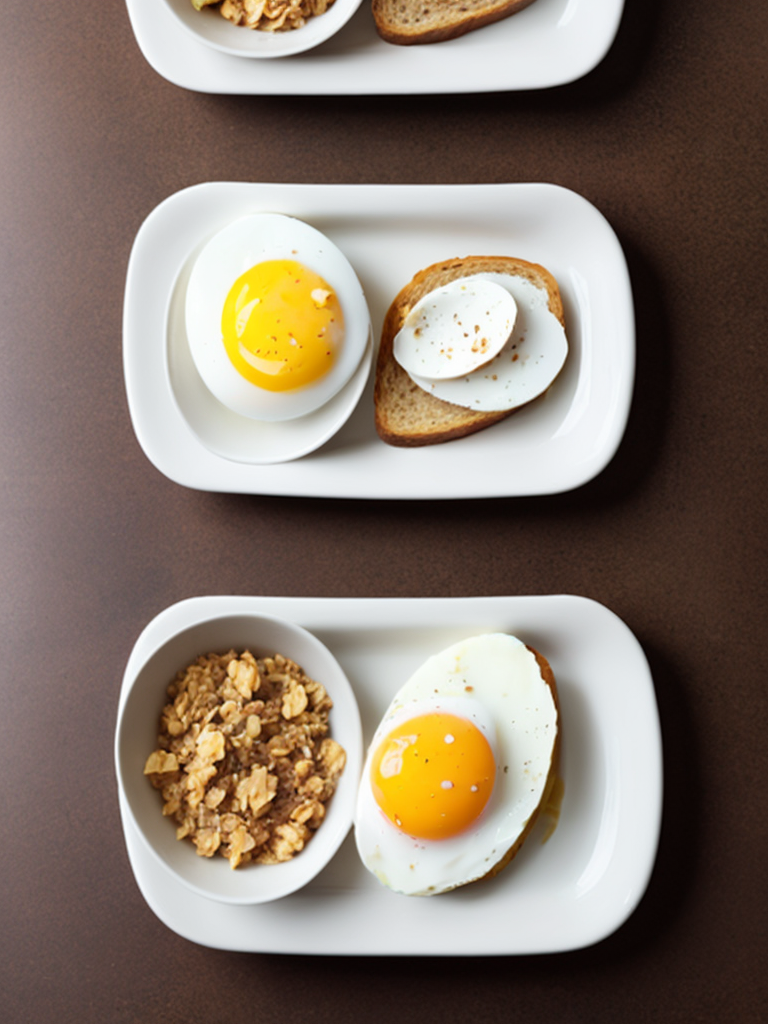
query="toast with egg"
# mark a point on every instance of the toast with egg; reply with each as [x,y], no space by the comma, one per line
[462,764]
[405,414]
[412,22]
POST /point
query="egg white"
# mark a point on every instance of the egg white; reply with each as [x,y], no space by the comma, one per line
[239,246]
[441,335]
[525,367]
[495,681]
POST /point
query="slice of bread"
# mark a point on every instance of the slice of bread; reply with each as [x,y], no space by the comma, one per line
[408,22]
[405,414]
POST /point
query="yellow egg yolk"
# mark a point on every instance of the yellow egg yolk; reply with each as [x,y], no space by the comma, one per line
[282,325]
[432,775]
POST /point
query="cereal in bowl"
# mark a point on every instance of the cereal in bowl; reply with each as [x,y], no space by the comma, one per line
[244,762]
[268,15]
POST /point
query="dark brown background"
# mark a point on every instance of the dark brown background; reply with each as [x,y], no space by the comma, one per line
[667,139]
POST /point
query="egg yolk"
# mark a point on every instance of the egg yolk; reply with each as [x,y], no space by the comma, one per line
[282,325]
[432,775]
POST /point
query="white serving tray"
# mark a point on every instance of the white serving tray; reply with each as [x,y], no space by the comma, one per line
[572,891]
[388,233]
[549,43]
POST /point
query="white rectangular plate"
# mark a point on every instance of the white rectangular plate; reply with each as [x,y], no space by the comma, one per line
[389,232]
[549,43]
[569,892]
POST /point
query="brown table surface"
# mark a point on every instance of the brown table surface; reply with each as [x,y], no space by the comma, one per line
[667,138]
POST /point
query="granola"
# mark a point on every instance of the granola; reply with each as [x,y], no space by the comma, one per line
[268,15]
[244,761]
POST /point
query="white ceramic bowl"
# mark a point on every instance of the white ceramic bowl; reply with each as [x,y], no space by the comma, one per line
[136,738]
[210,28]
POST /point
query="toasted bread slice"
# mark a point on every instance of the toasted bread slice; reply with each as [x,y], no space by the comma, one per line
[409,22]
[405,414]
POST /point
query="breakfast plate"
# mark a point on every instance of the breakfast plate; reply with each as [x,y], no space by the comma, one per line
[550,43]
[566,893]
[389,232]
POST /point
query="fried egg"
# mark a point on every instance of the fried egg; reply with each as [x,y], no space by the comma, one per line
[276,319]
[458,767]
[521,368]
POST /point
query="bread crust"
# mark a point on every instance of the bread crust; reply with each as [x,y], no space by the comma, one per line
[408,23]
[405,415]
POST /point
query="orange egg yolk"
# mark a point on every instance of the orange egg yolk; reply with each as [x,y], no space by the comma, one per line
[432,775]
[282,325]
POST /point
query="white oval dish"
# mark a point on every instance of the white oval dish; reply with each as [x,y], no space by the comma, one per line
[136,737]
[240,439]
[211,29]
